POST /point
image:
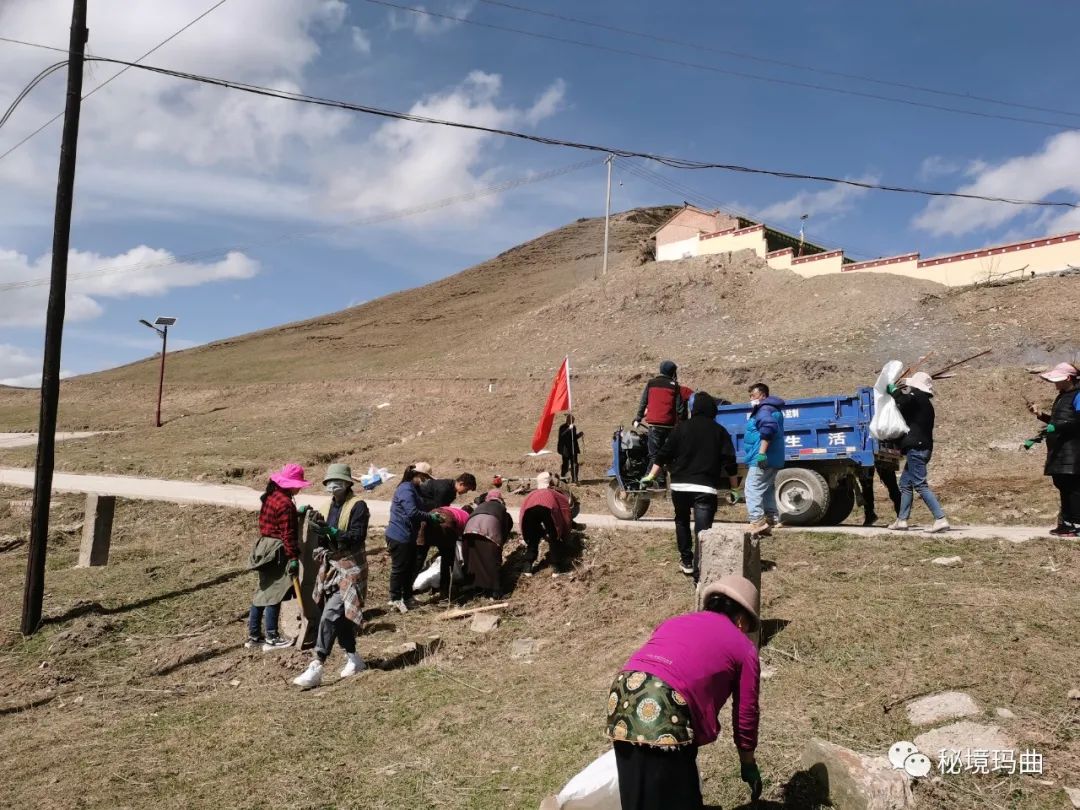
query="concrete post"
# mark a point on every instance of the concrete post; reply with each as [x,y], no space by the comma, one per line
[728,550]
[301,620]
[97,530]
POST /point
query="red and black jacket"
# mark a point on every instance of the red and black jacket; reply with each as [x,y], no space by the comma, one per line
[661,403]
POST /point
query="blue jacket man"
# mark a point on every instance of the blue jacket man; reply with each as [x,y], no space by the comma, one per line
[766,423]
[763,454]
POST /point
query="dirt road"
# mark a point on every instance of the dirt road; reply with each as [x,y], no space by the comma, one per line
[239,497]
[8,440]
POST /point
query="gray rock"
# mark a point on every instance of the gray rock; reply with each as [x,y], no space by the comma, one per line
[523,648]
[944,706]
[963,736]
[1074,694]
[484,622]
[1074,796]
[1004,714]
[853,781]
[948,562]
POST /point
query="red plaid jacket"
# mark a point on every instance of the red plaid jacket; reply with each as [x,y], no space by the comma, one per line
[278,518]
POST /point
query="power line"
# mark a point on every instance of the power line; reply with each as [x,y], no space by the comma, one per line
[779,62]
[34,82]
[116,75]
[400,213]
[666,160]
[725,71]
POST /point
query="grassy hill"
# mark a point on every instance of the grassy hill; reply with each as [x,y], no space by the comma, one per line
[461,367]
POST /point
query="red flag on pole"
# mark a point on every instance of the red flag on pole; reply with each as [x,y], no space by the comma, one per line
[558,400]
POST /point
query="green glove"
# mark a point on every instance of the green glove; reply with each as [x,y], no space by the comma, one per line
[1029,444]
[648,479]
[762,460]
[752,776]
[435,518]
[333,532]
[293,568]
[890,388]
[1051,428]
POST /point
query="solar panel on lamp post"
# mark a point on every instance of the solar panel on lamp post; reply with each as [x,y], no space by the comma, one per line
[164,323]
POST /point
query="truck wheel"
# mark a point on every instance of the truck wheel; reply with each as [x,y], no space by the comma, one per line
[802,495]
[625,505]
[841,503]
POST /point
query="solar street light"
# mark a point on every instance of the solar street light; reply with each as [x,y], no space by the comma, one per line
[164,322]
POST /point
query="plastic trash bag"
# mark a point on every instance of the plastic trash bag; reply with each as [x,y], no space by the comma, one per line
[887,423]
[429,579]
[375,477]
[595,788]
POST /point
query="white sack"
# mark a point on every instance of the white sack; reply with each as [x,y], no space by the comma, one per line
[887,423]
[595,788]
[429,579]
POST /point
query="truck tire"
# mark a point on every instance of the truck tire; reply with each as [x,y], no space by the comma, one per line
[624,505]
[841,504]
[802,496]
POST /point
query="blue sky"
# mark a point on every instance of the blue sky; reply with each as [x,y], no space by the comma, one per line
[239,213]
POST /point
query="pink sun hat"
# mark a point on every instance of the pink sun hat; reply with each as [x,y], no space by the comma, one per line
[291,476]
[1060,373]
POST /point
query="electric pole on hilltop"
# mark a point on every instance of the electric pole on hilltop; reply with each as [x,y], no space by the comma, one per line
[34,590]
[607,211]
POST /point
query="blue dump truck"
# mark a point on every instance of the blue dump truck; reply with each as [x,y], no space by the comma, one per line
[828,444]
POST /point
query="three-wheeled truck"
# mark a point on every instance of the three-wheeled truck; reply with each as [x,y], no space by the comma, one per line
[827,445]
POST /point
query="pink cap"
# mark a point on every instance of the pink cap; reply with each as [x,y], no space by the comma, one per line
[291,476]
[1060,373]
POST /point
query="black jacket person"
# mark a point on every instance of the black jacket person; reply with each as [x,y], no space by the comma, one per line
[701,458]
[1062,433]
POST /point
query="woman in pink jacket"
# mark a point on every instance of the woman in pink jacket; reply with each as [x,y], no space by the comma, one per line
[666,701]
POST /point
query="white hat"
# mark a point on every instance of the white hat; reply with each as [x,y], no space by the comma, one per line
[1060,373]
[922,381]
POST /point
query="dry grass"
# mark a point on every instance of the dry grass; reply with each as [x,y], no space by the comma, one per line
[133,672]
[311,391]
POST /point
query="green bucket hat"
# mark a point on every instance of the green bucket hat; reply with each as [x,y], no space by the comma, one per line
[338,472]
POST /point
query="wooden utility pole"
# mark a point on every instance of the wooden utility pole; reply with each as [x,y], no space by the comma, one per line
[34,590]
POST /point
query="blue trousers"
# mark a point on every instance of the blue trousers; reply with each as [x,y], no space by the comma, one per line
[255,620]
[913,480]
[759,489]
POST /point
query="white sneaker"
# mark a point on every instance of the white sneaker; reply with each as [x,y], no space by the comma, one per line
[898,525]
[310,677]
[399,605]
[353,664]
[686,569]
[940,525]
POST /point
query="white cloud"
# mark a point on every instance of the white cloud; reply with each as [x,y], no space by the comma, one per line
[549,103]
[405,164]
[141,271]
[829,202]
[1053,168]
[361,42]
[426,25]
[21,369]
[937,166]
[143,126]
